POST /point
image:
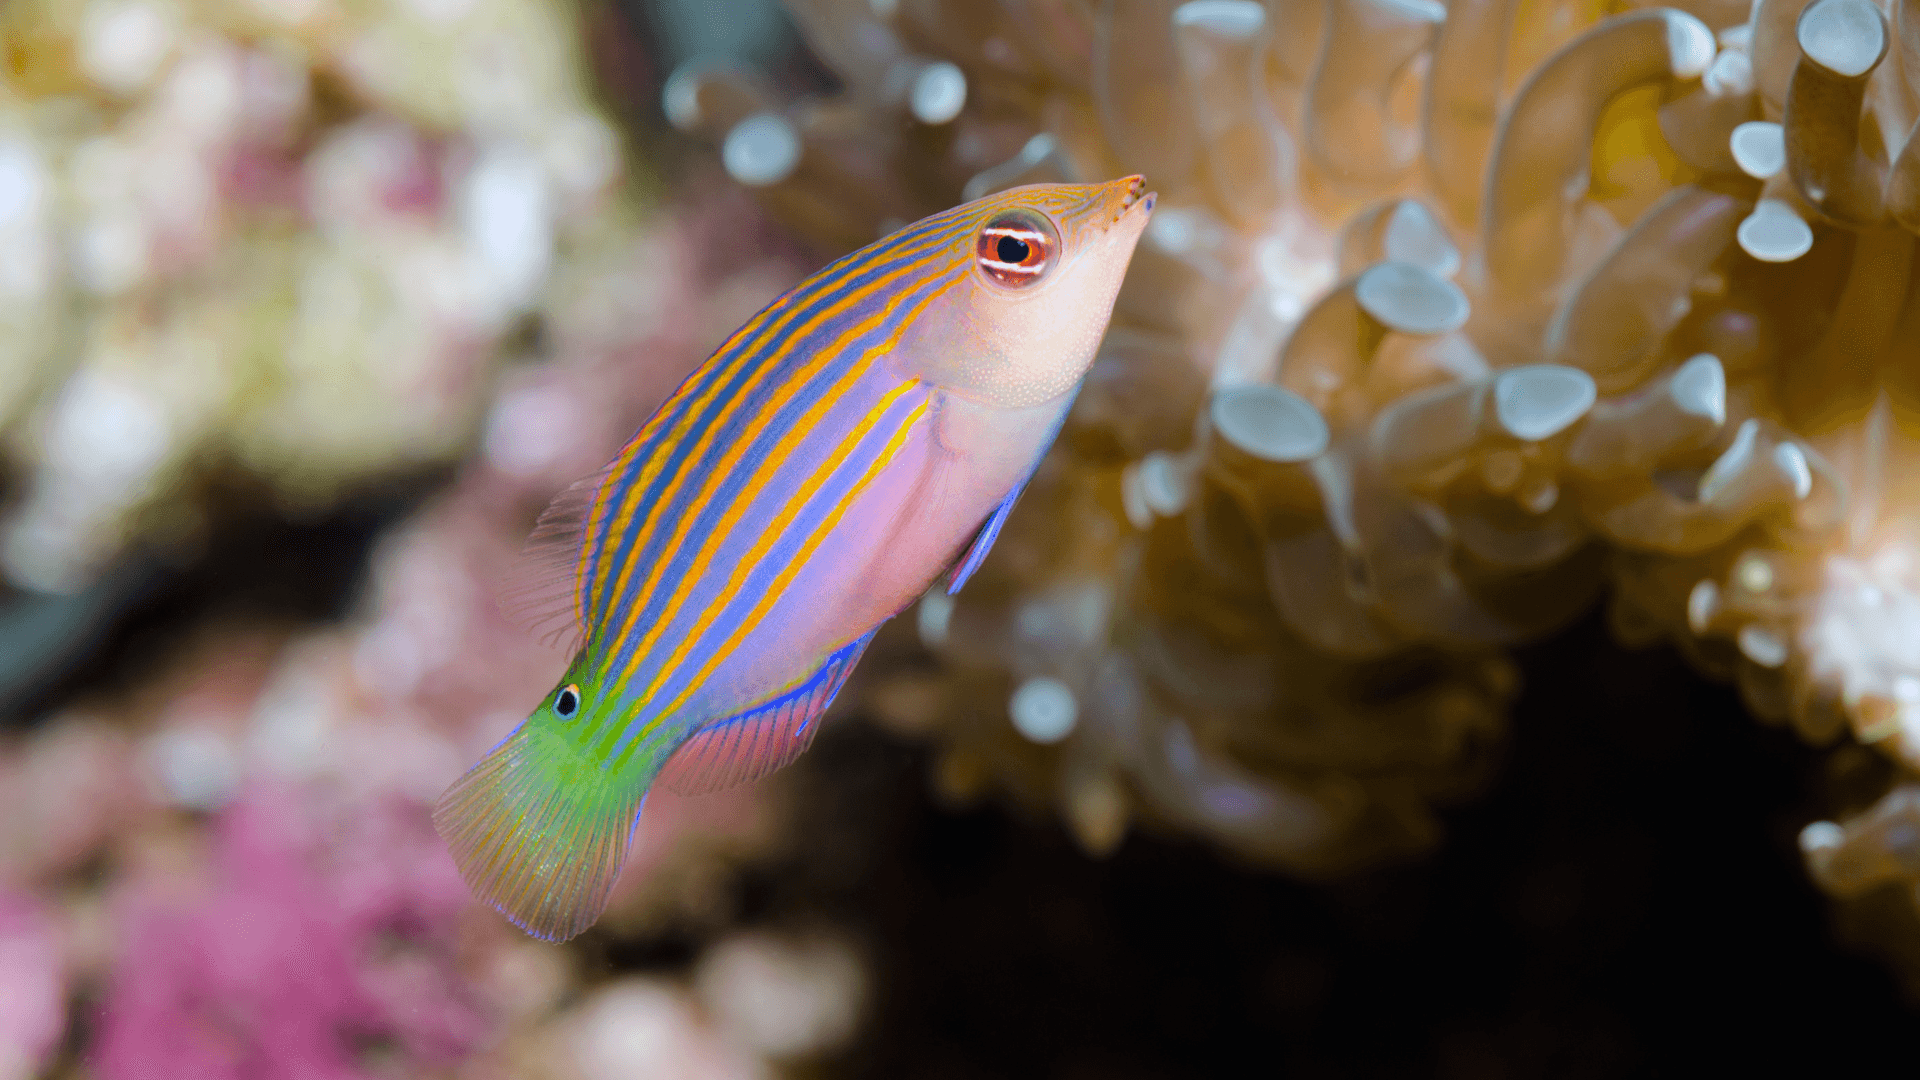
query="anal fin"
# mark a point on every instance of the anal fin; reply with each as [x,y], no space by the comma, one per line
[759,741]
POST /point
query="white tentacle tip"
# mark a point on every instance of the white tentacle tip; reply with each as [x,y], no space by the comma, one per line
[1415,10]
[680,98]
[1847,37]
[1731,75]
[1044,710]
[1821,836]
[1541,400]
[1792,463]
[1270,423]
[1414,236]
[1774,233]
[760,150]
[1237,19]
[1411,299]
[1762,646]
[1703,603]
[939,93]
[1759,147]
[1731,461]
[1690,45]
[1699,388]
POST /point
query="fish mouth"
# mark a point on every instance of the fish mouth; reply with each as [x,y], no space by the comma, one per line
[1136,194]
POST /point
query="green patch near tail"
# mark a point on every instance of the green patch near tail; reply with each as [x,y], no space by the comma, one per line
[540,831]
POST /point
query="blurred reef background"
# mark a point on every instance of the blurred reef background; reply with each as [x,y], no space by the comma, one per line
[1469,627]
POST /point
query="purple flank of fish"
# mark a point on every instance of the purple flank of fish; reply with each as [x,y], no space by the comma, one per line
[720,578]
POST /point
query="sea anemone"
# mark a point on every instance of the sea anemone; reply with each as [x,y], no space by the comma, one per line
[1453,320]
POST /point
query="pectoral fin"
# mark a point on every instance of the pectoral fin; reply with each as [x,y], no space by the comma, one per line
[983,540]
[989,532]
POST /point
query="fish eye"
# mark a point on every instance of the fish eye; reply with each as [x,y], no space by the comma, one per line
[1016,248]
[567,702]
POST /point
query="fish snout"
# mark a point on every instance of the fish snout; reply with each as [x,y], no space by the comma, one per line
[1134,198]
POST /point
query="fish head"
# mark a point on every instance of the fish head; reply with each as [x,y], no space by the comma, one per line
[1038,269]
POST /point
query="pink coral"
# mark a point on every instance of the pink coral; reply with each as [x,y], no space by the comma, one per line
[32,987]
[319,939]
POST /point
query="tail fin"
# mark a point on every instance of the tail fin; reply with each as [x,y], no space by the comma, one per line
[539,834]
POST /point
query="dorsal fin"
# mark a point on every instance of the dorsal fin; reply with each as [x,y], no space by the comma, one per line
[760,740]
[541,592]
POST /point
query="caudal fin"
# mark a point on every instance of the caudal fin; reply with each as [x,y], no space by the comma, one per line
[538,835]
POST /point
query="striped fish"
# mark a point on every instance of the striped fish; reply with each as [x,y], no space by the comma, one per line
[718,579]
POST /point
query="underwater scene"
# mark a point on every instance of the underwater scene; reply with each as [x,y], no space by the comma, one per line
[950,539]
